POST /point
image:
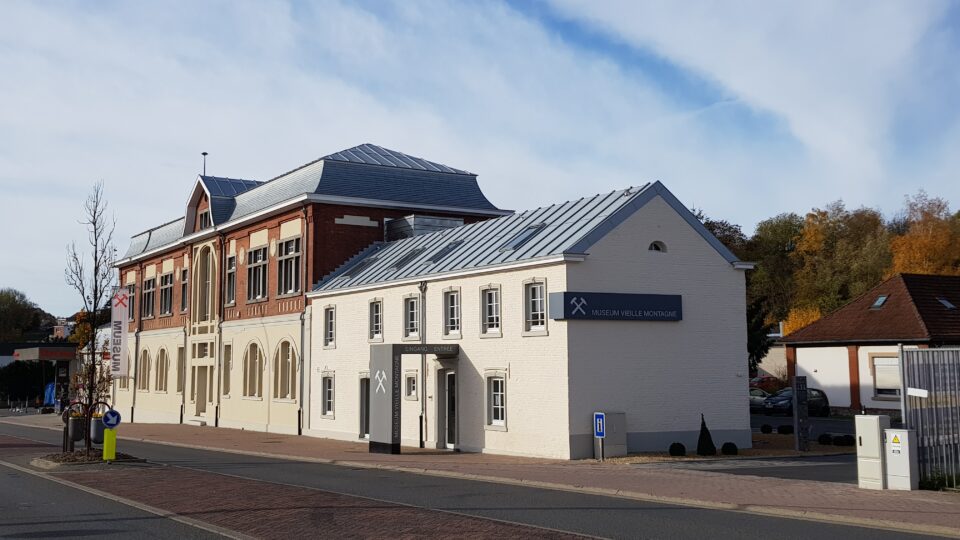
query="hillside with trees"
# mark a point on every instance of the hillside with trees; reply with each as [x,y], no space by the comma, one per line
[21,319]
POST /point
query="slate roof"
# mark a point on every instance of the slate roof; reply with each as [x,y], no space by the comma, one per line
[911,313]
[568,228]
[366,172]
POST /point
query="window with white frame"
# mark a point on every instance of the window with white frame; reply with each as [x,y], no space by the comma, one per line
[496,401]
[411,317]
[376,319]
[326,395]
[410,386]
[147,298]
[886,377]
[329,327]
[226,369]
[451,313]
[253,371]
[288,267]
[131,309]
[285,372]
[230,291]
[490,315]
[143,371]
[181,368]
[535,307]
[166,294]
[257,274]
[163,370]
[184,289]
[205,221]
[204,272]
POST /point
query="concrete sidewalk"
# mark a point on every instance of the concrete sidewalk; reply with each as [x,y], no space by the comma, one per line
[918,511]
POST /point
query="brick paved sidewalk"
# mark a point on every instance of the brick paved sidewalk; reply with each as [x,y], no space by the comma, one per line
[918,511]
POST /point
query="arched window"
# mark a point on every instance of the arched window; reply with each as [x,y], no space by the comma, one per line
[253,371]
[204,284]
[163,368]
[284,372]
[143,371]
[657,246]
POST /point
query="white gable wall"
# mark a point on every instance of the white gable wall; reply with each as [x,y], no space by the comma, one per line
[662,374]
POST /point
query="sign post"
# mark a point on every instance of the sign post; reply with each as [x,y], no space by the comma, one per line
[111,419]
[600,429]
[801,417]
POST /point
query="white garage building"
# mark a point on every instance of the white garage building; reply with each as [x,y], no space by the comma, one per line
[621,302]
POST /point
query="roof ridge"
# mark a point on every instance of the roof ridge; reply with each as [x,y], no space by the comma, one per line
[913,304]
[839,309]
[151,229]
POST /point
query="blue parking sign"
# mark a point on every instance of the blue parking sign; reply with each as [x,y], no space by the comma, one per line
[599,425]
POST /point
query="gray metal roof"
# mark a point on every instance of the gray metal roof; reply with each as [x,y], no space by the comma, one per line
[372,154]
[569,228]
[154,238]
[363,172]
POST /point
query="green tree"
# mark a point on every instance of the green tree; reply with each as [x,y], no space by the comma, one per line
[20,319]
[771,283]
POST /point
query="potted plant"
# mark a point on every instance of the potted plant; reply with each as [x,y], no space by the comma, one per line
[96,428]
[75,425]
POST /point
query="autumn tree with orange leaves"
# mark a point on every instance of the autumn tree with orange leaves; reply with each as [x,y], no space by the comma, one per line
[931,244]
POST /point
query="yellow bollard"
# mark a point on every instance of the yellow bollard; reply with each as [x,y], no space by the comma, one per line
[109,444]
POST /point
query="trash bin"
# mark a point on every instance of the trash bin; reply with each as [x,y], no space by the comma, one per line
[96,430]
[75,425]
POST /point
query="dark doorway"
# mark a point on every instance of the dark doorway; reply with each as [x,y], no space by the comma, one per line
[365,408]
[450,396]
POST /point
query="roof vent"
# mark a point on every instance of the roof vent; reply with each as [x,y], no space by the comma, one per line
[878,303]
[415,225]
[946,303]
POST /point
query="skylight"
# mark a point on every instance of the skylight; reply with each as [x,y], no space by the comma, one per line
[360,267]
[878,303]
[444,251]
[405,260]
[523,237]
[946,303]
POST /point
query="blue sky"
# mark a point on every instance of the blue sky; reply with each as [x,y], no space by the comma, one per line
[744,109]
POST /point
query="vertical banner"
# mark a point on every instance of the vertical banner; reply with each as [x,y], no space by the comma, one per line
[118,333]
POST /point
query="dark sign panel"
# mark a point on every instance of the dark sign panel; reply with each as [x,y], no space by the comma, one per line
[615,306]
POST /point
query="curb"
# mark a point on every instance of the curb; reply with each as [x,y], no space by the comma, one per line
[767,511]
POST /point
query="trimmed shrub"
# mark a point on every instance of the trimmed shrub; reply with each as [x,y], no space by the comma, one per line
[705,446]
[825,439]
[729,449]
[678,449]
[785,429]
[766,428]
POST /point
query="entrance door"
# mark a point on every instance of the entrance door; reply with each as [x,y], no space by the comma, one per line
[450,396]
[365,408]
[201,390]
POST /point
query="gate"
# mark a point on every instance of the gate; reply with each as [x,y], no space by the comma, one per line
[931,403]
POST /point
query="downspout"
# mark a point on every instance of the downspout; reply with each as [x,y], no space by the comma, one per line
[186,335]
[305,280]
[221,278]
[423,364]
[136,342]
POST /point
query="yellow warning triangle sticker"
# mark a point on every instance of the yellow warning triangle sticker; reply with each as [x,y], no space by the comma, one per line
[896,439]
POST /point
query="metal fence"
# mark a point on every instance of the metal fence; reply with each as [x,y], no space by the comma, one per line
[931,406]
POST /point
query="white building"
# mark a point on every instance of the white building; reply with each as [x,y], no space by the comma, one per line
[621,302]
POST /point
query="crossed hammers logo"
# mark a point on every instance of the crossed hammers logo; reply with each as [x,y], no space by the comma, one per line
[381,378]
[578,304]
[119,300]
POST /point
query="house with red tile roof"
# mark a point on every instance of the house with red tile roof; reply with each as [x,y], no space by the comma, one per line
[852,354]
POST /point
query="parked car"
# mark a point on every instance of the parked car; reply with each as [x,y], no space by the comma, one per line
[767,383]
[757,397]
[782,403]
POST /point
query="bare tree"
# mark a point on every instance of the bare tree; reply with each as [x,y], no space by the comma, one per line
[92,275]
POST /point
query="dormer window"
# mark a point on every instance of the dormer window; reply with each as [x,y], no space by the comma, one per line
[657,246]
[205,222]
[878,303]
[946,303]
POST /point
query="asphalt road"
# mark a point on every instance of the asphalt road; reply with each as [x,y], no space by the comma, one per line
[34,507]
[567,511]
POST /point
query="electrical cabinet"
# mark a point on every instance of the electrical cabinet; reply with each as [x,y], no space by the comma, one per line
[902,466]
[870,450]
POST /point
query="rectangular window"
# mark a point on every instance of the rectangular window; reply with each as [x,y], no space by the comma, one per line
[536,307]
[205,221]
[181,369]
[411,317]
[327,396]
[491,311]
[329,327]
[451,313]
[886,377]
[166,294]
[131,311]
[184,289]
[146,303]
[288,267]
[230,295]
[257,274]
[376,320]
[410,386]
[227,368]
[496,401]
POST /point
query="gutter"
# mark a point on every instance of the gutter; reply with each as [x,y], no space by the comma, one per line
[423,364]
[304,351]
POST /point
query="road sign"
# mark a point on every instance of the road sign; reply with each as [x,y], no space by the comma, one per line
[111,419]
[599,425]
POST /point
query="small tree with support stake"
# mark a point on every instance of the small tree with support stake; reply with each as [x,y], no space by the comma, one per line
[92,275]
